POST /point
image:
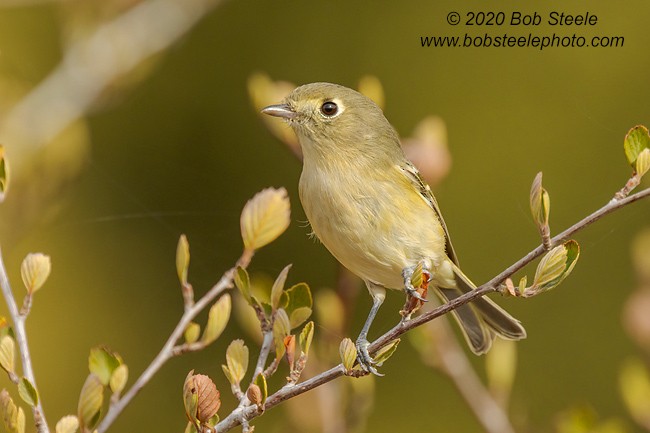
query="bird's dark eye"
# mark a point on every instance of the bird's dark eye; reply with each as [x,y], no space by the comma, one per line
[329,108]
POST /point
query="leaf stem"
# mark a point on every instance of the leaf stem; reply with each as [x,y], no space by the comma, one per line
[21,338]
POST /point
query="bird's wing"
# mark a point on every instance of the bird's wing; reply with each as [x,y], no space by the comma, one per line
[413,175]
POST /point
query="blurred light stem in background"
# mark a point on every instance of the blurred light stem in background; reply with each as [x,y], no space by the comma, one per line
[88,66]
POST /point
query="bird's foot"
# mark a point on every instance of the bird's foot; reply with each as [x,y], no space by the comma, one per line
[415,296]
[363,357]
[412,292]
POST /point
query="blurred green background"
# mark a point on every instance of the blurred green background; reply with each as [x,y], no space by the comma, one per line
[176,147]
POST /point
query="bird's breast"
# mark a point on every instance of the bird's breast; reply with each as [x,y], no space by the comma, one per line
[374,226]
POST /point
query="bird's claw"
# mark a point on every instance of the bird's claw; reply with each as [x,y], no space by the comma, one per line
[413,293]
[363,357]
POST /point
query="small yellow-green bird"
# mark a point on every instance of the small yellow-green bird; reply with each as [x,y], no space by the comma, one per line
[369,206]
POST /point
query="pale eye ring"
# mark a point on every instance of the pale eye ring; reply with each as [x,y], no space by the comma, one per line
[329,108]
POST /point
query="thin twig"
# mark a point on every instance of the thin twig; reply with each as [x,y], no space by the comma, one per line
[267,343]
[249,412]
[21,339]
[170,349]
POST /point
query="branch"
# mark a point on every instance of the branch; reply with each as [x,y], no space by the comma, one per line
[169,350]
[90,65]
[236,417]
[21,339]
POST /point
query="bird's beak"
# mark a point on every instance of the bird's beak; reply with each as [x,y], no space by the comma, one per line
[280,110]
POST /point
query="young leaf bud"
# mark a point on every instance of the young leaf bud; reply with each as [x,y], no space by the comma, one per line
[348,352]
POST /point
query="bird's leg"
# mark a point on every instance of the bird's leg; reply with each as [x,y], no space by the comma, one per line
[366,362]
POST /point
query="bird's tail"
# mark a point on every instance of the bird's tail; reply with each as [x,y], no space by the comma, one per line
[481,320]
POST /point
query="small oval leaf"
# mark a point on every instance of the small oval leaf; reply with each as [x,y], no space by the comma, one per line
[67,424]
[306,335]
[7,354]
[11,414]
[281,328]
[182,259]
[386,352]
[237,360]
[540,203]
[218,318]
[265,217]
[243,283]
[34,270]
[348,352]
[299,304]
[278,287]
[119,378]
[90,401]
[643,162]
[27,392]
[102,362]
[192,332]
[554,267]
[636,140]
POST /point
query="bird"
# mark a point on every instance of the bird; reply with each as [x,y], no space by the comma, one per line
[368,205]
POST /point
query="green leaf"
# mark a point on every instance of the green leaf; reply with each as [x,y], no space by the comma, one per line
[554,267]
[13,417]
[102,362]
[243,283]
[281,328]
[67,424]
[192,332]
[34,270]
[213,421]
[218,317]
[306,335]
[348,352]
[278,288]
[119,378]
[182,259]
[643,162]
[237,360]
[299,304]
[522,284]
[228,374]
[27,392]
[90,401]
[386,352]
[7,354]
[265,217]
[540,202]
[20,421]
[636,140]
[299,316]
